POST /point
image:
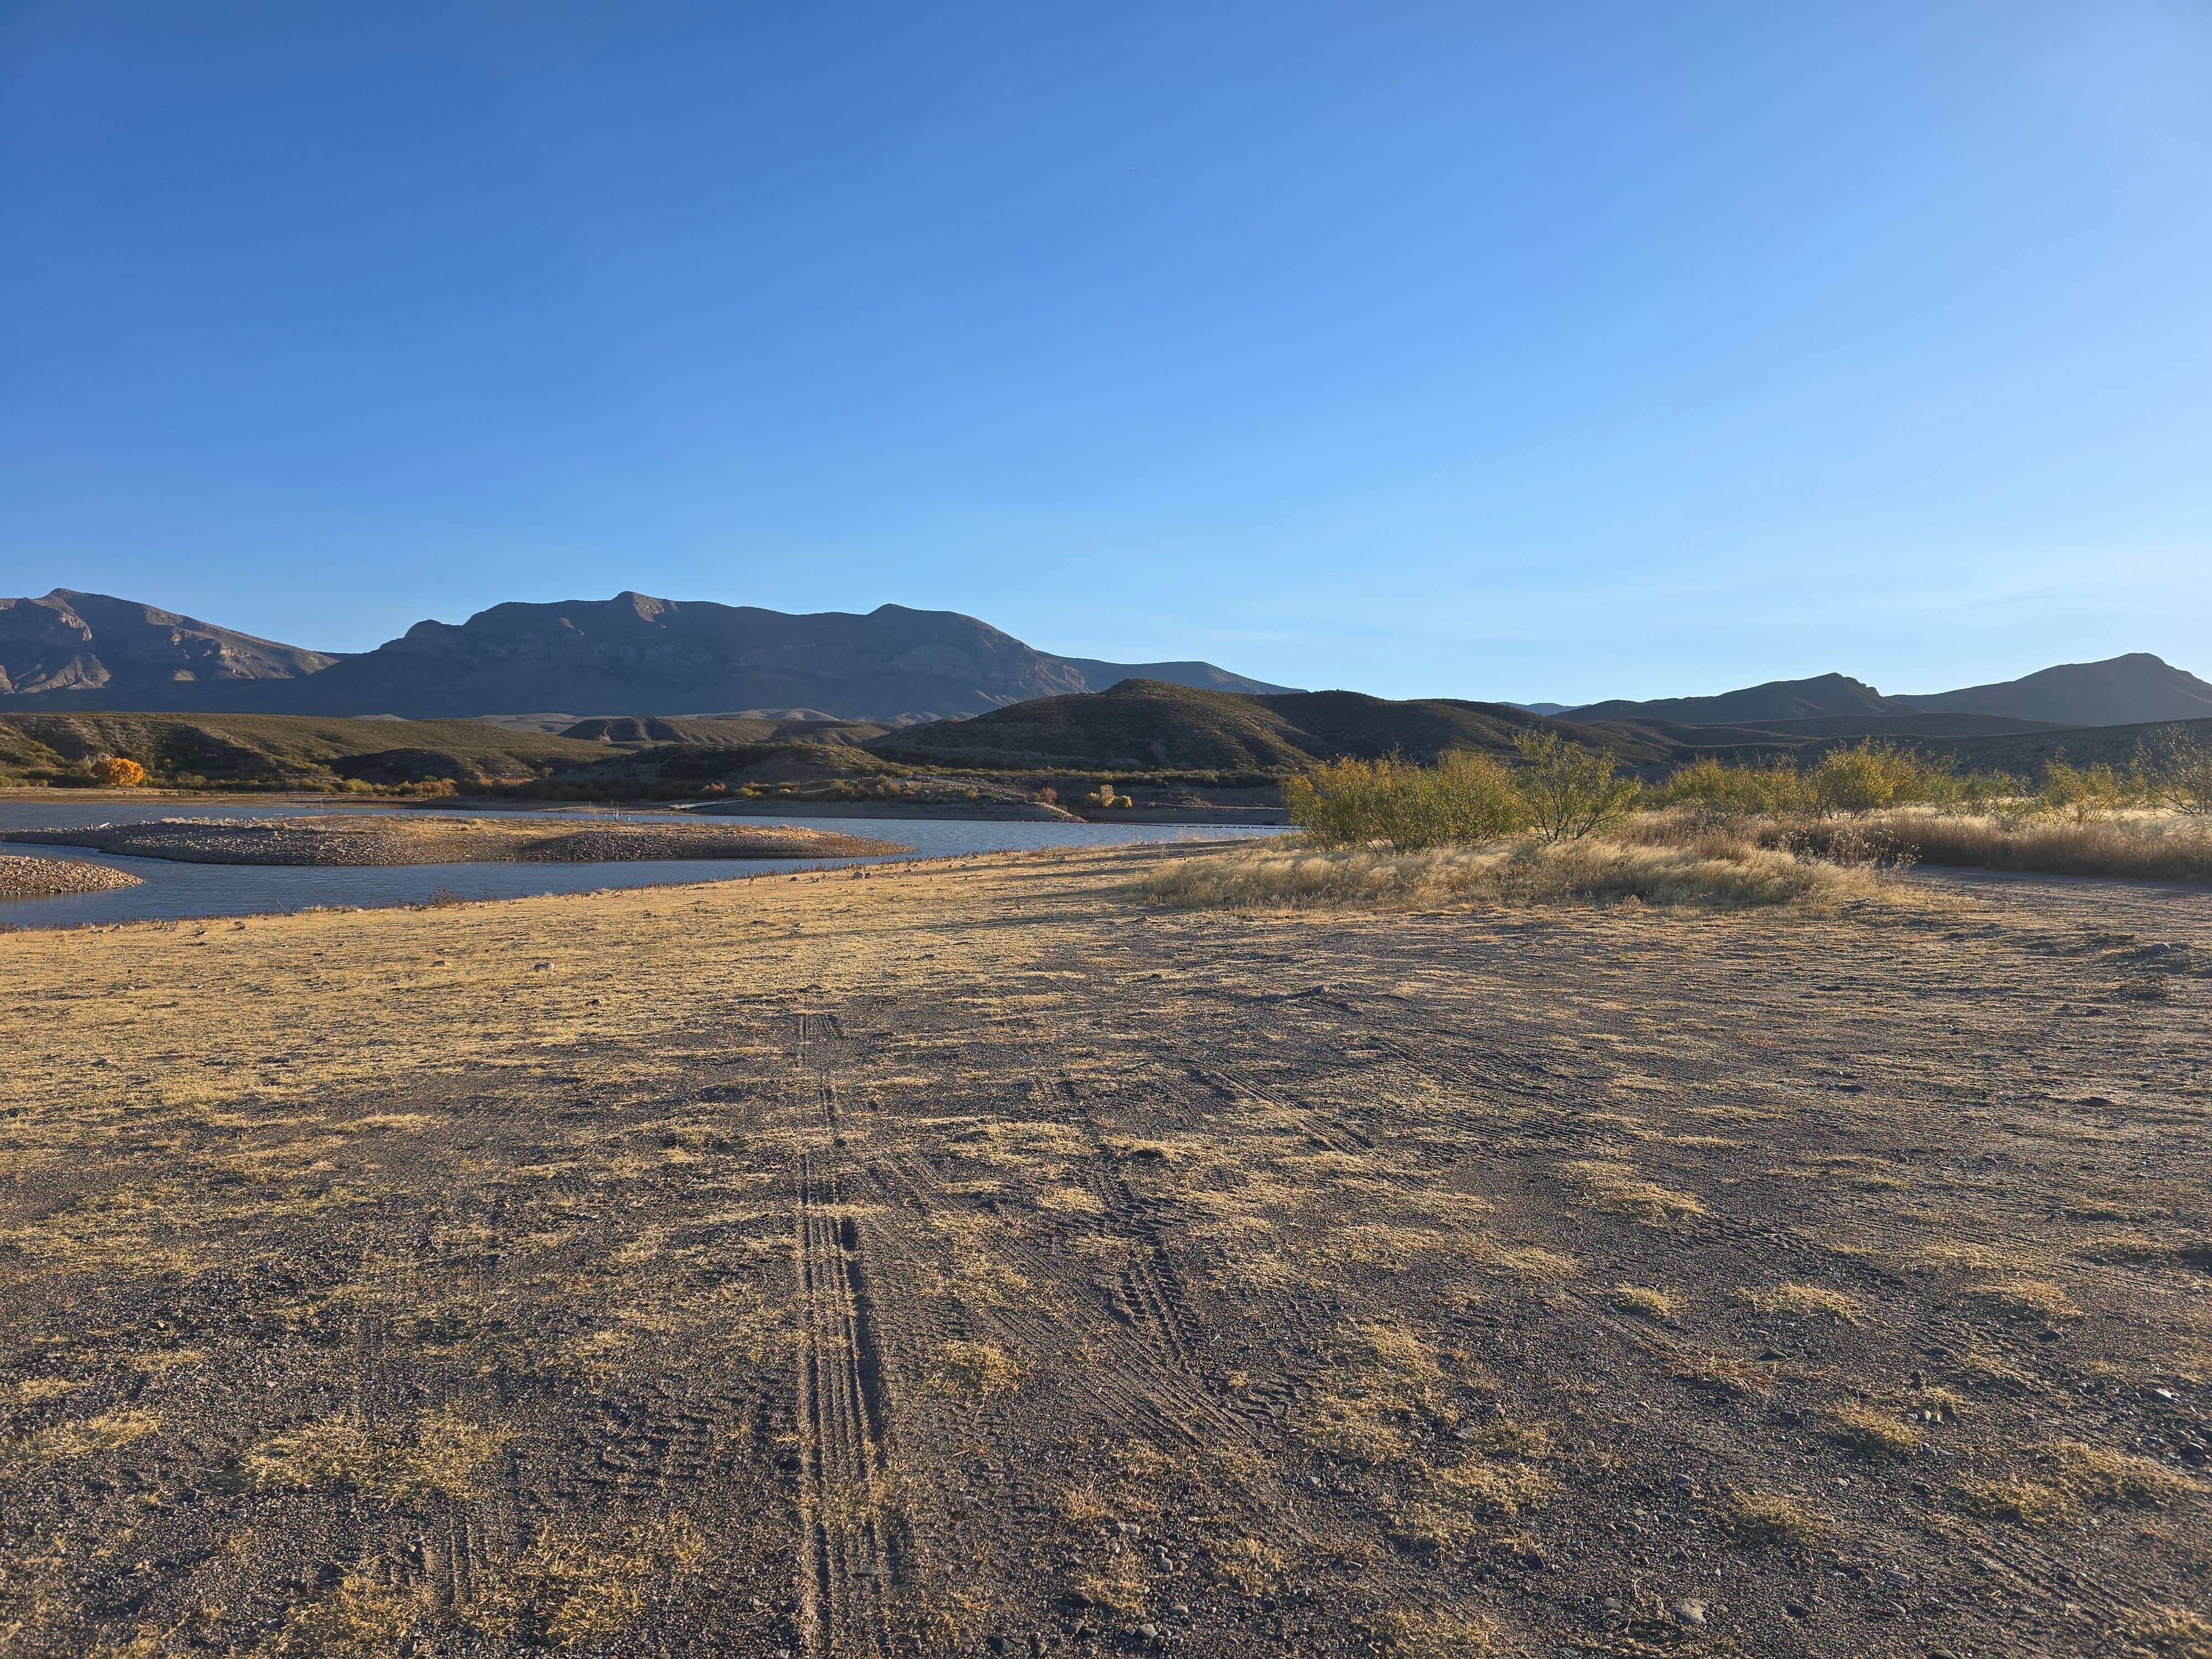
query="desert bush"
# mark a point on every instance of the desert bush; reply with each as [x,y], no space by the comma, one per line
[115,772]
[1463,799]
[2173,770]
[1862,778]
[2083,794]
[1571,791]
[1868,774]
[1777,789]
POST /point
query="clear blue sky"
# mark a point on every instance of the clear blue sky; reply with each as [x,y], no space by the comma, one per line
[1560,350]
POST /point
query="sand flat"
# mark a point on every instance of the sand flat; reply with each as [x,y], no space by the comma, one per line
[882,1262]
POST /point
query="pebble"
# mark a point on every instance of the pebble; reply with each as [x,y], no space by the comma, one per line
[1689,1612]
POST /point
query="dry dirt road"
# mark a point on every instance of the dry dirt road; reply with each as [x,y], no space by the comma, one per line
[962,1258]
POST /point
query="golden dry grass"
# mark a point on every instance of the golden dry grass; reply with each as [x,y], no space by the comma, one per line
[1716,873]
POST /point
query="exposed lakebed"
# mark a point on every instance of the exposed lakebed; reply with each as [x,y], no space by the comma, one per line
[170,890]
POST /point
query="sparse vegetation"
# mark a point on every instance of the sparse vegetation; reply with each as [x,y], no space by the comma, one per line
[1339,1261]
[1620,1189]
[1464,800]
[1773,1521]
[1866,1432]
[1571,791]
[1666,1306]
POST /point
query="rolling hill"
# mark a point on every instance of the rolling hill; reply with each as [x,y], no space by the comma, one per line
[259,751]
[1148,726]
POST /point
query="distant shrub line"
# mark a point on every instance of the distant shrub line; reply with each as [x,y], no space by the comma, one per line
[1871,804]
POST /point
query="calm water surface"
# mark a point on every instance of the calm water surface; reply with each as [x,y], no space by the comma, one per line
[173,890]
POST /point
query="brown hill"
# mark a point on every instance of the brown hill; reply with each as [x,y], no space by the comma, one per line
[1145,726]
[252,750]
[1823,694]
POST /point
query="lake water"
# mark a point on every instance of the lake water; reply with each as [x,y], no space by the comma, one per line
[175,890]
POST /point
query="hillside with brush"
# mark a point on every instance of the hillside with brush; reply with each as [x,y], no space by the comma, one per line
[1146,725]
[279,752]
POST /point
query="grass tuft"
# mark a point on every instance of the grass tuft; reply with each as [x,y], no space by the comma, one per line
[1865,1432]
[1772,1521]
[1618,1189]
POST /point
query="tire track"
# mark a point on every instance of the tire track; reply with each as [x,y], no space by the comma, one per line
[848,1554]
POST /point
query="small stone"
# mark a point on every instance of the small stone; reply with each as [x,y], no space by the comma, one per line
[995,1643]
[1179,1609]
[1149,1632]
[1692,1613]
[1796,1609]
[1683,1483]
[2163,1393]
[1611,1604]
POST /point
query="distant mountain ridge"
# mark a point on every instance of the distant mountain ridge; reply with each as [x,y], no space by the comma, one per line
[2134,690]
[1777,700]
[2127,691]
[630,655]
[92,643]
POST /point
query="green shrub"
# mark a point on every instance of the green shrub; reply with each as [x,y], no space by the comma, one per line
[1777,789]
[1571,791]
[2173,770]
[1464,797]
[1868,774]
[1862,778]
[2082,793]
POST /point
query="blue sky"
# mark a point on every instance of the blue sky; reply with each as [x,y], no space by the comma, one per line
[1566,351]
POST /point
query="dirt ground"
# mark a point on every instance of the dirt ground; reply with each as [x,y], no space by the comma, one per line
[959,1257]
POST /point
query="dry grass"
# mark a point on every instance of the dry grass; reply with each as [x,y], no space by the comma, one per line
[391,1464]
[1432,1635]
[2024,1299]
[1808,1302]
[974,1371]
[2170,1632]
[1666,1306]
[2138,845]
[1717,872]
[1771,1520]
[69,1440]
[1620,1189]
[1866,1432]
[2101,1476]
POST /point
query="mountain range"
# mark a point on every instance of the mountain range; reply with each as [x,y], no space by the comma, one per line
[634,656]
[2132,690]
[629,655]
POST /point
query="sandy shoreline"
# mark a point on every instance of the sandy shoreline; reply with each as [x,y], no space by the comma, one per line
[349,839]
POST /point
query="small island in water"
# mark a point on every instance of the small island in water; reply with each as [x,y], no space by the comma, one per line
[29,877]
